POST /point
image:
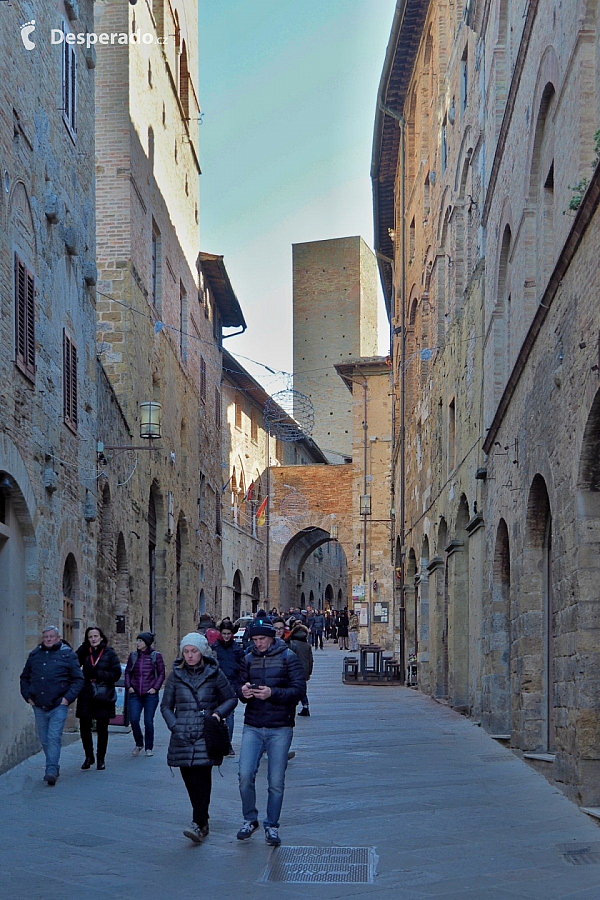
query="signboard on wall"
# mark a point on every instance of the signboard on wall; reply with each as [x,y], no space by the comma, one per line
[362,611]
[381,613]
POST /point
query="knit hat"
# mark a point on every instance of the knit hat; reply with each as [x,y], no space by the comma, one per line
[193,639]
[147,637]
[261,628]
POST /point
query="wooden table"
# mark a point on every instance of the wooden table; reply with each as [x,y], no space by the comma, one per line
[371,660]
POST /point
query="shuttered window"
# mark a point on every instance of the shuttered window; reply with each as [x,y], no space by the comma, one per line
[70,381]
[203,379]
[69,85]
[218,409]
[24,318]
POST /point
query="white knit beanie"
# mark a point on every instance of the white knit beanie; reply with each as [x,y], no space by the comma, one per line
[193,639]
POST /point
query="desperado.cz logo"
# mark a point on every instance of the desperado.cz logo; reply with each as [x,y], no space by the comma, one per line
[26,31]
[89,38]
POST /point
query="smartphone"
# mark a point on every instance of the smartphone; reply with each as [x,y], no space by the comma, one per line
[255,686]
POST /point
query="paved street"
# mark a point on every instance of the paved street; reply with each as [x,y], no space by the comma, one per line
[449,812]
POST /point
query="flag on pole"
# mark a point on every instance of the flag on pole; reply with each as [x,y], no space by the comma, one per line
[261,513]
[250,492]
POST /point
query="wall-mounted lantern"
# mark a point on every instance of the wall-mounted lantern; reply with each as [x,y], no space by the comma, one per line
[150,416]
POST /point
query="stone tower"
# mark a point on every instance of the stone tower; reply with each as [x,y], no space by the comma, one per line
[334,320]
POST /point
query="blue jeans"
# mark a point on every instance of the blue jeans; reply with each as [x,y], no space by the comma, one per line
[148,703]
[276,743]
[50,724]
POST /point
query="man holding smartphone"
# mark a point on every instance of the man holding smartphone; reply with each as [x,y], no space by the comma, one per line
[272,683]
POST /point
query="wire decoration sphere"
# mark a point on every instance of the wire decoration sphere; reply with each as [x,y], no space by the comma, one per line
[289,415]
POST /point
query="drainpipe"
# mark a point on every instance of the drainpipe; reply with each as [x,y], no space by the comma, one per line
[402,529]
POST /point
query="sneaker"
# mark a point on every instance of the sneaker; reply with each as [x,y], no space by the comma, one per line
[304,711]
[272,836]
[51,780]
[136,751]
[149,752]
[196,833]
[291,754]
[247,830]
[231,754]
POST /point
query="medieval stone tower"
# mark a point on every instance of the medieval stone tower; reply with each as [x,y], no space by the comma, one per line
[334,320]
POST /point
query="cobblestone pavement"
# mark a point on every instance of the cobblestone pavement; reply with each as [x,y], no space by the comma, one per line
[449,812]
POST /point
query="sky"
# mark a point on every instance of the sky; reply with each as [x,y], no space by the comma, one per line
[288,93]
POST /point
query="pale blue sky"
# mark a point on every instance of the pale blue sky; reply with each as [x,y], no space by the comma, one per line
[288,91]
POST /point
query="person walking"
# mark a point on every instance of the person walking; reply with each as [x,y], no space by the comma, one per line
[229,656]
[317,628]
[144,677]
[101,671]
[272,683]
[50,681]
[342,622]
[196,688]
[298,642]
[353,629]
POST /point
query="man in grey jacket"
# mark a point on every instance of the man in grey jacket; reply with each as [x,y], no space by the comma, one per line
[50,681]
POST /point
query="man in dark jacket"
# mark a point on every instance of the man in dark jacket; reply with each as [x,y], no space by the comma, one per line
[271,684]
[298,642]
[50,681]
[229,656]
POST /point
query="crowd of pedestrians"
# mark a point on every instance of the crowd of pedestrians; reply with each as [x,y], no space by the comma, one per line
[267,672]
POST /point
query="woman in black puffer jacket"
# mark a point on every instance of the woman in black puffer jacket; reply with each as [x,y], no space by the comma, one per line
[101,670]
[196,687]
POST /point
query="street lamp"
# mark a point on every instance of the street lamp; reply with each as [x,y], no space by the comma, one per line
[150,420]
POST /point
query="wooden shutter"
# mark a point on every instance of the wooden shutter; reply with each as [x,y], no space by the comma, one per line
[24,318]
[203,379]
[70,381]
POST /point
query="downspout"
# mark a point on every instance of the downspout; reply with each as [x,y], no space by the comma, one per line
[401,588]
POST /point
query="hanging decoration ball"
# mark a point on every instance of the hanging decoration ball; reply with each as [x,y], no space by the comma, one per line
[289,415]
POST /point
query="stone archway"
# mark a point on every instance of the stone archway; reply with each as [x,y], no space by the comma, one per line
[587,636]
[293,561]
[532,658]
[310,506]
[458,620]
[495,682]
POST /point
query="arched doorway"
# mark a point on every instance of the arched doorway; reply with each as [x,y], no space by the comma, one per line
[255,595]
[495,684]
[458,621]
[70,597]
[237,595]
[533,628]
[152,532]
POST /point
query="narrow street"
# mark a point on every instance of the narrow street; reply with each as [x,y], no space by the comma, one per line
[449,812]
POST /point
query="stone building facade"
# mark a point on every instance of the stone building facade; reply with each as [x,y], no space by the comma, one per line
[370,563]
[486,194]
[47,357]
[334,320]
[162,307]
[249,454]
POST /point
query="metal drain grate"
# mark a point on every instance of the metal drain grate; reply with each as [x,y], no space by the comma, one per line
[322,865]
[580,854]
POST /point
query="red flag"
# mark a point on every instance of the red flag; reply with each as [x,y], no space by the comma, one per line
[261,513]
[250,492]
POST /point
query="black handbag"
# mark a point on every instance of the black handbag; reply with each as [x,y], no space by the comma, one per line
[216,737]
[103,693]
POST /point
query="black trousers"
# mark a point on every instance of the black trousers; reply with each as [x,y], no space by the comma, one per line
[198,781]
[85,730]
